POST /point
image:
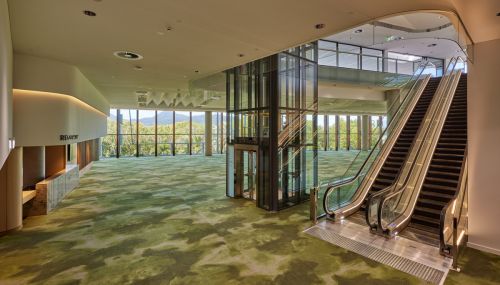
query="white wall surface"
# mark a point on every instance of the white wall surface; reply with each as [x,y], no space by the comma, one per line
[483,95]
[5,82]
[42,74]
[40,118]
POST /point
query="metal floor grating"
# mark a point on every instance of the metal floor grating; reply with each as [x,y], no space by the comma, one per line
[434,270]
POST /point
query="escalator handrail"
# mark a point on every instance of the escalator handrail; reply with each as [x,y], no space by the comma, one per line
[442,243]
[405,184]
[352,179]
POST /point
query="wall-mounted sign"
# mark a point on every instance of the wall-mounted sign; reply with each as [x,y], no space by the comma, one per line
[68,137]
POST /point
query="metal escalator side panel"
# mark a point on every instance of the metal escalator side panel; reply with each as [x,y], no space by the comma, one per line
[408,192]
[366,184]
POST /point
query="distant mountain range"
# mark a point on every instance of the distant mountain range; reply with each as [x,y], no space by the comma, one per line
[165,118]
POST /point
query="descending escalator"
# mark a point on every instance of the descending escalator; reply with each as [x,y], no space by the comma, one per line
[442,178]
[401,148]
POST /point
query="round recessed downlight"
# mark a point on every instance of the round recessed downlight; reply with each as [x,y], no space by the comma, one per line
[319,26]
[358,31]
[431,45]
[127,55]
[89,13]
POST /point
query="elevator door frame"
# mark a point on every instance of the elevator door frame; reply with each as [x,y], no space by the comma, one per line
[238,188]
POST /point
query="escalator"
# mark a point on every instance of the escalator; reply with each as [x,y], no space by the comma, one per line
[441,182]
[397,156]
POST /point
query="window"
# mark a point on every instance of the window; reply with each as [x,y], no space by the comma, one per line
[146,136]
[343,136]
[327,52]
[355,142]
[108,143]
[127,132]
[332,132]
[371,59]
[198,132]
[349,56]
[181,133]
[321,133]
[165,132]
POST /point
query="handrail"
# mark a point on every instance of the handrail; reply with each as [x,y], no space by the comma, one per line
[374,201]
[444,102]
[331,187]
[462,186]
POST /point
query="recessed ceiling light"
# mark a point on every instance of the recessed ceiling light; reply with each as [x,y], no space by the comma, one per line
[319,26]
[241,55]
[89,13]
[196,71]
[431,45]
[358,31]
[128,55]
[137,67]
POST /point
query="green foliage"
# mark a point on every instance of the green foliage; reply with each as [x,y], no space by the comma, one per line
[128,139]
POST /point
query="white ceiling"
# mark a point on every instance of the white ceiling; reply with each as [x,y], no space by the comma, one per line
[206,35]
[412,43]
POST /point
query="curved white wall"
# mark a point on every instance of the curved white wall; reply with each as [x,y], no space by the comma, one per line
[42,74]
[5,82]
[53,99]
[40,118]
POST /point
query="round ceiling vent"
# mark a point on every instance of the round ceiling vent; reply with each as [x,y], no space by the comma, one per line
[127,55]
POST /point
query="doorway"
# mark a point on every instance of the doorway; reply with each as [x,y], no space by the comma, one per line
[246,171]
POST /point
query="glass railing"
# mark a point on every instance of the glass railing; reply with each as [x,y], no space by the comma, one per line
[454,218]
[390,209]
[345,194]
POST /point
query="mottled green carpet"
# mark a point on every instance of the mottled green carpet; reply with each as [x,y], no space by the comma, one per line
[167,221]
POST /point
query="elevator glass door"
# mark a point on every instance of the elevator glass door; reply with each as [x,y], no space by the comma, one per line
[249,175]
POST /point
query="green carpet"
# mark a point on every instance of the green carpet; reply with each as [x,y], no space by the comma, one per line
[167,221]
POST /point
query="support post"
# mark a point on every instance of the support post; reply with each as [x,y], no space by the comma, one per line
[208,133]
[365,136]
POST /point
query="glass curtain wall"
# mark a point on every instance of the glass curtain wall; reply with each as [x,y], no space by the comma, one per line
[336,54]
[182,129]
[146,134]
[109,143]
[218,130]
[165,127]
[127,132]
[350,56]
[198,133]
[134,132]
[343,132]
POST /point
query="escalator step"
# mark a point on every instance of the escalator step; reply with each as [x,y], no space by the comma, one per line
[426,221]
[439,188]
